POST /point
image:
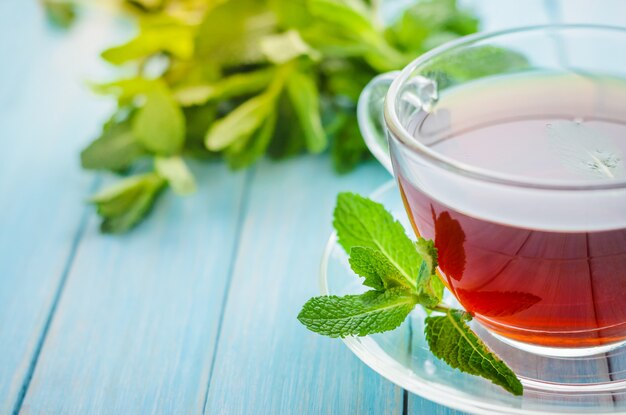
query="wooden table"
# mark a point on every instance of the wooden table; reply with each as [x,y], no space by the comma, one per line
[195,310]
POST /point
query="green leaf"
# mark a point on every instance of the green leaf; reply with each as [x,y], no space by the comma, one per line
[427,20]
[305,99]
[288,139]
[286,46]
[450,338]
[332,41]
[177,174]
[291,13]
[429,285]
[245,153]
[226,88]
[350,14]
[357,315]
[363,222]
[146,5]
[126,203]
[240,123]
[159,33]
[230,32]
[198,118]
[60,13]
[428,252]
[348,147]
[116,149]
[346,80]
[348,29]
[160,124]
[474,63]
[126,89]
[378,271]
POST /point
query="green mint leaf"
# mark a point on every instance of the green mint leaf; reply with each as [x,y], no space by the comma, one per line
[177,174]
[146,5]
[357,315]
[230,32]
[429,286]
[116,149]
[474,63]
[450,339]
[288,139]
[351,15]
[160,124]
[240,123]
[226,88]
[378,271]
[60,13]
[291,13]
[126,89]
[347,147]
[332,41]
[428,252]
[158,33]
[286,46]
[304,96]
[125,204]
[246,152]
[362,222]
[346,28]
[198,118]
[424,20]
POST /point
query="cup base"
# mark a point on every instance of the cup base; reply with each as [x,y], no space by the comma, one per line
[590,370]
[553,370]
[590,384]
[560,351]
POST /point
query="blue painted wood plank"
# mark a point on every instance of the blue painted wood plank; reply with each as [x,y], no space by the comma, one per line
[499,14]
[45,116]
[135,327]
[606,12]
[266,362]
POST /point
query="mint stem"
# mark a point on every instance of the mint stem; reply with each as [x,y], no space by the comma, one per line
[441,307]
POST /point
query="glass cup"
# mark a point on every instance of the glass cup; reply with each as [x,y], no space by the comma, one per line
[508,149]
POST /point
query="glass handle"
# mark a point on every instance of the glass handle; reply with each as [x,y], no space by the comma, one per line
[371,119]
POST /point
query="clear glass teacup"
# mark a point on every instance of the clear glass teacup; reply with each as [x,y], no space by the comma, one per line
[508,149]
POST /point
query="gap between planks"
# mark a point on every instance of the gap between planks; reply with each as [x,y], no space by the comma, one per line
[78,236]
[243,211]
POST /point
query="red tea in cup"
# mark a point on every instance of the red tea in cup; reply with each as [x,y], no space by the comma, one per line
[557,281]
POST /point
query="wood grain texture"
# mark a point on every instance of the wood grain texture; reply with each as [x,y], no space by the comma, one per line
[45,116]
[135,328]
[266,362]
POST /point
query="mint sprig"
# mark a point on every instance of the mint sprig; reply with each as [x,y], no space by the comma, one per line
[241,79]
[450,338]
[361,222]
[358,315]
[402,275]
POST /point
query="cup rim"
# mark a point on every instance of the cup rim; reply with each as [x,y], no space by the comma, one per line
[395,127]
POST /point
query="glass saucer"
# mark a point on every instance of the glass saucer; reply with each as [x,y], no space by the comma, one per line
[594,384]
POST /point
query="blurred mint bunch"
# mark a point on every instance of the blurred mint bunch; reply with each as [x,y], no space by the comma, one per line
[240,79]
